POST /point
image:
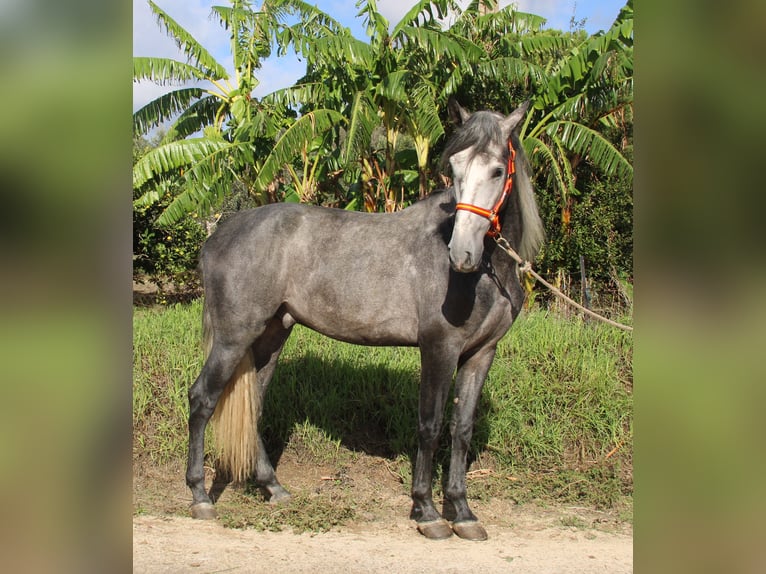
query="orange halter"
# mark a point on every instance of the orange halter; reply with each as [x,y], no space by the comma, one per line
[493,214]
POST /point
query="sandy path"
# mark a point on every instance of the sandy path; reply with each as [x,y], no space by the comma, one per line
[178,545]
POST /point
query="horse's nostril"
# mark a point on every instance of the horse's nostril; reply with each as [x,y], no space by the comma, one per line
[464,264]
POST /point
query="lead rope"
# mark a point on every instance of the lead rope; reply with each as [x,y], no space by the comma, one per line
[526,266]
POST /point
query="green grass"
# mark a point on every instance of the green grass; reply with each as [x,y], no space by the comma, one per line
[167,357]
[556,410]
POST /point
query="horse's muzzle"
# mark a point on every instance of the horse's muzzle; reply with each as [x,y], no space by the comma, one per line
[465,264]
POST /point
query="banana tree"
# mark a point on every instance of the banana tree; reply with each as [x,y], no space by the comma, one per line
[587,90]
[213,141]
[387,83]
[512,51]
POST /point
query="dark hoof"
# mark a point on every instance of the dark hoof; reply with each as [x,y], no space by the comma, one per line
[435,529]
[203,511]
[470,530]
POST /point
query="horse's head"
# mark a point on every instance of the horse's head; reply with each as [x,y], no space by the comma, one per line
[482,171]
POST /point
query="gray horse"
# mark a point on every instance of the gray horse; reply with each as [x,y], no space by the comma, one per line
[428,276]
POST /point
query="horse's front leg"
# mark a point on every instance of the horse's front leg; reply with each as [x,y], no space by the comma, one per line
[437,366]
[468,386]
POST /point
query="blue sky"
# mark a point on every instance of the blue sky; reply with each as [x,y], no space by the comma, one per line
[194,16]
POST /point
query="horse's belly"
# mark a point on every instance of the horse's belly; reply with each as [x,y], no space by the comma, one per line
[358,328]
[365,314]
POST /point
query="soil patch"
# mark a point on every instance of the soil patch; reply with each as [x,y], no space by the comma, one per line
[352,516]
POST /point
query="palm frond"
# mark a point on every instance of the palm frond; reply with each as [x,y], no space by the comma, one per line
[439,44]
[148,198]
[339,48]
[293,141]
[375,23]
[508,20]
[197,54]
[424,13]
[393,86]
[197,116]
[252,33]
[424,114]
[164,71]
[525,21]
[540,45]
[313,19]
[543,158]
[362,121]
[296,95]
[163,108]
[512,70]
[173,156]
[585,141]
[207,181]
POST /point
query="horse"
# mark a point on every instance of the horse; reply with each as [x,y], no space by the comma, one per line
[267,269]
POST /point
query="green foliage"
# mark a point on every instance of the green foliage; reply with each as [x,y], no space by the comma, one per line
[167,356]
[364,127]
[166,254]
[559,394]
[601,230]
[163,254]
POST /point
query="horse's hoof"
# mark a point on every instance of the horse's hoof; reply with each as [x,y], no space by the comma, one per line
[203,511]
[470,530]
[435,529]
[278,496]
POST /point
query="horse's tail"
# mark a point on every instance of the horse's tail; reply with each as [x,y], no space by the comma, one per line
[235,420]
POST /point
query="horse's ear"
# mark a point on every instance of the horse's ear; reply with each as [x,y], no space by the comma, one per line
[457,113]
[513,121]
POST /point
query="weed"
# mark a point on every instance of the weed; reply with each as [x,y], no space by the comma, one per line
[571,521]
[303,512]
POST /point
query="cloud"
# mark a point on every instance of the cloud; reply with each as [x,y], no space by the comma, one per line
[556,12]
[394,10]
[278,73]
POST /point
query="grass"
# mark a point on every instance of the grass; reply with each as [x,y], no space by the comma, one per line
[167,357]
[302,513]
[556,413]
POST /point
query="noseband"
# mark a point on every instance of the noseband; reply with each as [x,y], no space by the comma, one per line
[493,214]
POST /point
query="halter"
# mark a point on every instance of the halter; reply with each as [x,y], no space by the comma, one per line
[493,214]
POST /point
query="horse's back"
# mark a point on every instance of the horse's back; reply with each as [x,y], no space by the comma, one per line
[353,276]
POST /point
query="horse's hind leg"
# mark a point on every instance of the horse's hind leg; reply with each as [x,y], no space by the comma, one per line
[203,397]
[266,351]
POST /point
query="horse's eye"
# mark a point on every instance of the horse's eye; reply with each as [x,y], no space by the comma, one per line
[497,173]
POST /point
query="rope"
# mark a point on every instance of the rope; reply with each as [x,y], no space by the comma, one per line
[526,266]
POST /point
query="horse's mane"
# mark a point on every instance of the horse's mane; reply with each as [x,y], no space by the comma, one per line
[481,131]
[532,232]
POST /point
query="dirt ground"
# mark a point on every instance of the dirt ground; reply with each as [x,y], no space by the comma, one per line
[523,538]
[177,544]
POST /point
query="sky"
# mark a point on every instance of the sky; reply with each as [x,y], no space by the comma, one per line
[194,15]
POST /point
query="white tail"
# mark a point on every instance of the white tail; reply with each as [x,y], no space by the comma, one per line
[235,420]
